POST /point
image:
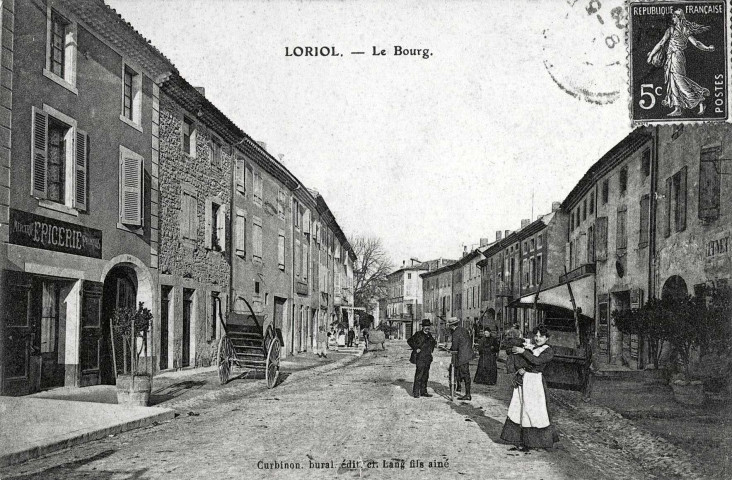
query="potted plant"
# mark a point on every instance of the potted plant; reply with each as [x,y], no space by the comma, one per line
[132,325]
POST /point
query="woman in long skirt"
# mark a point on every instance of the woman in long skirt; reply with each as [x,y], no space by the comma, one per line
[528,424]
[487,372]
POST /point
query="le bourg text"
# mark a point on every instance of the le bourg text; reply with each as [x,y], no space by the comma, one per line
[374,51]
[354,464]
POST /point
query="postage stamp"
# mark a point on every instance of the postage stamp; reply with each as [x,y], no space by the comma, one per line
[678,61]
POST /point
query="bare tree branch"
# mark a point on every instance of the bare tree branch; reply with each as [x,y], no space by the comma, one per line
[371,270]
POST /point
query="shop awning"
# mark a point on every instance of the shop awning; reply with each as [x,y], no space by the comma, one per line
[583,290]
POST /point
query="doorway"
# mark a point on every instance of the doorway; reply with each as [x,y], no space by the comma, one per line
[188,296]
[165,294]
[119,291]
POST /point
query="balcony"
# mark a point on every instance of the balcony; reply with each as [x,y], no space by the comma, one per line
[579,272]
[504,290]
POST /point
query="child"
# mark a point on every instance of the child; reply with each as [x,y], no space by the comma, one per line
[515,362]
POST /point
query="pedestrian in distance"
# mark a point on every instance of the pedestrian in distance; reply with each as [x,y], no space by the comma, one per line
[527,424]
[322,342]
[487,372]
[351,336]
[463,345]
[422,344]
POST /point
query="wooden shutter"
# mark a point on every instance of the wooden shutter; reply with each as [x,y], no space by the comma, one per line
[240,175]
[681,207]
[709,184]
[306,222]
[281,250]
[39,153]
[81,179]
[644,220]
[667,223]
[601,238]
[130,212]
[185,216]
[241,234]
[221,230]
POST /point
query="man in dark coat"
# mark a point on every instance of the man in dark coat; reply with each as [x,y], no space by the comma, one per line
[422,344]
[463,345]
[351,336]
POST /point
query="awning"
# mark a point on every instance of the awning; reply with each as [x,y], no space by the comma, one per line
[583,290]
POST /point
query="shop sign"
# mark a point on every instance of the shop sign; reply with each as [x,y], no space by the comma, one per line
[716,250]
[35,231]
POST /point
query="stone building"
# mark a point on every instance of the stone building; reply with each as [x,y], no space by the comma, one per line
[610,240]
[471,286]
[196,161]
[438,297]
[405,303]
[693,220]
[79,180]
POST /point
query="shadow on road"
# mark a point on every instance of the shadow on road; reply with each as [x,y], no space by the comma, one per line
[174,390]
[73,470]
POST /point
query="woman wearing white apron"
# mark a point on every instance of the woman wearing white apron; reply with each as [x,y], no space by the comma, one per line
[527,424]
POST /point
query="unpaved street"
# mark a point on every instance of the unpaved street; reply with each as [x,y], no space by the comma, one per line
[352,419]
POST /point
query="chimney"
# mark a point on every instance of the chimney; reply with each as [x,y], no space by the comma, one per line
[282,158]
[525,222]
[556,206]
[465,250]
[506,233]
[201,90]
[484,241]
[499,235]
[262,144]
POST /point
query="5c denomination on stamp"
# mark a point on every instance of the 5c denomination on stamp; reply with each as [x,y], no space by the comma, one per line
[678,61]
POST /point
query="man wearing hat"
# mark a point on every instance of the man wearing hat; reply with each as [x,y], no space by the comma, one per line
[463,345]
[422,344]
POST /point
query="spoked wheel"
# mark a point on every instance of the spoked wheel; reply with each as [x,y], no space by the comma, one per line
[224,358]
[273,363]
[452,382]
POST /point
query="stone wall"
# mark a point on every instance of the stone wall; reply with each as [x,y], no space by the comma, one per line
[178,257]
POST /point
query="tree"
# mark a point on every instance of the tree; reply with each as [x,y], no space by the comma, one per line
[370,272]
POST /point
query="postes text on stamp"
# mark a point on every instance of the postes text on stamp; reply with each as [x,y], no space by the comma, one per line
[678,61]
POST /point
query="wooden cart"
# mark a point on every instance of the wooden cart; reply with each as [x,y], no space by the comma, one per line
[248,343]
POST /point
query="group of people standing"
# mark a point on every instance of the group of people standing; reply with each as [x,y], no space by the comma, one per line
[527,424]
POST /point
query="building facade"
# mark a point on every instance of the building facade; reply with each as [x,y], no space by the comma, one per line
[79,190]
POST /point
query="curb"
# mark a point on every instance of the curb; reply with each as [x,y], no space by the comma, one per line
[38,451]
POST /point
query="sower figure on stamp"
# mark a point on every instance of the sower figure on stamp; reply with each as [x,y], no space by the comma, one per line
[463,345]
[681,91]
[422,344]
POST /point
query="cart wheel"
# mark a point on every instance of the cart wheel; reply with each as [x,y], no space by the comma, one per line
[224,358]
[273,363]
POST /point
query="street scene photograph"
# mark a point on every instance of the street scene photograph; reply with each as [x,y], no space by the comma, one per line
[252,239]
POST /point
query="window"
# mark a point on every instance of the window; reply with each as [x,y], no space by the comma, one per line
[241,233]
[539,241]
[189,214]
[281,204]
[306,261]
[605,191]
[216,152]
[709,184]
[298,259]
[213,321]
[592,204]
[130,187]
[539,269]
[409,276]
[571,221]
[533,271]
[532,244]
[601,238]
[257,239]
[623,180]
[189,137]
[646,163]
[621,240]
[256,288]
[215,225]
[584,209]
[676,202]
[241,176]
[131,97]
[59,160]
[281,250]
[645,210]
[591,245]
[61,50]
[258,188]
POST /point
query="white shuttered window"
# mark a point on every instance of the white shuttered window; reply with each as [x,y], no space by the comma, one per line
[130,187]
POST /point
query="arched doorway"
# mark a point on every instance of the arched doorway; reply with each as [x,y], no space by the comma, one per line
[674,288]
[126,283]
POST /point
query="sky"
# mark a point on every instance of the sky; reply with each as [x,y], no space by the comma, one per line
[515,102]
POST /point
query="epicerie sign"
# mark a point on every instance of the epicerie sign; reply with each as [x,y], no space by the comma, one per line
[35,231]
